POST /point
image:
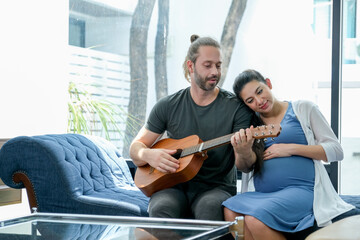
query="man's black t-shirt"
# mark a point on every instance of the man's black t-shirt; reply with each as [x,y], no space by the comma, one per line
[180,116]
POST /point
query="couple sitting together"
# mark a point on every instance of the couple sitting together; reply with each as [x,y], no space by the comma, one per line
[289,189]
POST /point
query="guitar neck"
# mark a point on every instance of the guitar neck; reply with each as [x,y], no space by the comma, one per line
[207,145]
[271,130]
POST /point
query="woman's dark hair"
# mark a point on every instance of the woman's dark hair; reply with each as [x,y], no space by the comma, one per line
[240,81]
[258,147]
[193,51]
[245,77]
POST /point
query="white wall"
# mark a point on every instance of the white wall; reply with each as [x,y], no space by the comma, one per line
[33,82]
[33,92]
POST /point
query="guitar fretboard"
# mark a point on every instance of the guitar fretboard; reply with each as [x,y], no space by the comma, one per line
[258,133]
[207,145]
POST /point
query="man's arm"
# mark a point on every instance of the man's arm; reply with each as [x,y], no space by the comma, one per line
[142,154]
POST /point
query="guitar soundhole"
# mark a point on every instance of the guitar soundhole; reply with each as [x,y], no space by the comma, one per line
[177,155]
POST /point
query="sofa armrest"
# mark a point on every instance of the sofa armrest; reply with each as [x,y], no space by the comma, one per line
[21,177]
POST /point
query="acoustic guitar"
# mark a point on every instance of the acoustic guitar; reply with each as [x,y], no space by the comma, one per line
[191,151]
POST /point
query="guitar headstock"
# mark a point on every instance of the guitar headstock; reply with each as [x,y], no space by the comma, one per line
[265,131]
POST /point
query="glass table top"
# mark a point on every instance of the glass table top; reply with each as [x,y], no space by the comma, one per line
[71,226]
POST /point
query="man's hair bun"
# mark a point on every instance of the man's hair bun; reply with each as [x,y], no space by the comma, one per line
[193,37]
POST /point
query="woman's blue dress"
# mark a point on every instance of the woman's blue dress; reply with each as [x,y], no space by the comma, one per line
[284,188]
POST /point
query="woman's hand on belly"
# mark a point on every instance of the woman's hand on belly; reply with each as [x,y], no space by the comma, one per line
[278,150]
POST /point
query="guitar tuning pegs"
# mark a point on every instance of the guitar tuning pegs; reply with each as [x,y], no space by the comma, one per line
[265,139]
[271,132]
[258,140]
[272,126]
[273,139]
[256,134]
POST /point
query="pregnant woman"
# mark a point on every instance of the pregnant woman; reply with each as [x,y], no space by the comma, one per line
[292,190]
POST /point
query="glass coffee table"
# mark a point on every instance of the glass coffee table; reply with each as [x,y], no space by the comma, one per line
[75,226]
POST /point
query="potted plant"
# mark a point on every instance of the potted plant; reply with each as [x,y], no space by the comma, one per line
[95,116]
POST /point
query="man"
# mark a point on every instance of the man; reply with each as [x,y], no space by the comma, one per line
[209,112]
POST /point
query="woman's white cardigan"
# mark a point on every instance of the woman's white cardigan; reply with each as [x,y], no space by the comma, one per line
[327,203]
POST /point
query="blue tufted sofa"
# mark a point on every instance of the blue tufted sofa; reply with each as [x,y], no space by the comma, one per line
[71,173]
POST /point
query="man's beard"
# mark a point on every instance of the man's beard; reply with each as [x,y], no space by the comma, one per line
[201,82]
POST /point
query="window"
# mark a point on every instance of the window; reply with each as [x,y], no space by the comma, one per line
[322,18]
[99,61]
[76,32]
[350,134]
[289,43]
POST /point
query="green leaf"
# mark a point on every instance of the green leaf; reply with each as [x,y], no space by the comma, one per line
[87,112]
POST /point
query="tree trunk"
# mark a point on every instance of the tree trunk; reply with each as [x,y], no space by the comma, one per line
[160,50]
[138,68]
[228,36]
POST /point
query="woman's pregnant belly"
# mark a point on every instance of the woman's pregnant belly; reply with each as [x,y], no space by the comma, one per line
[279,173]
